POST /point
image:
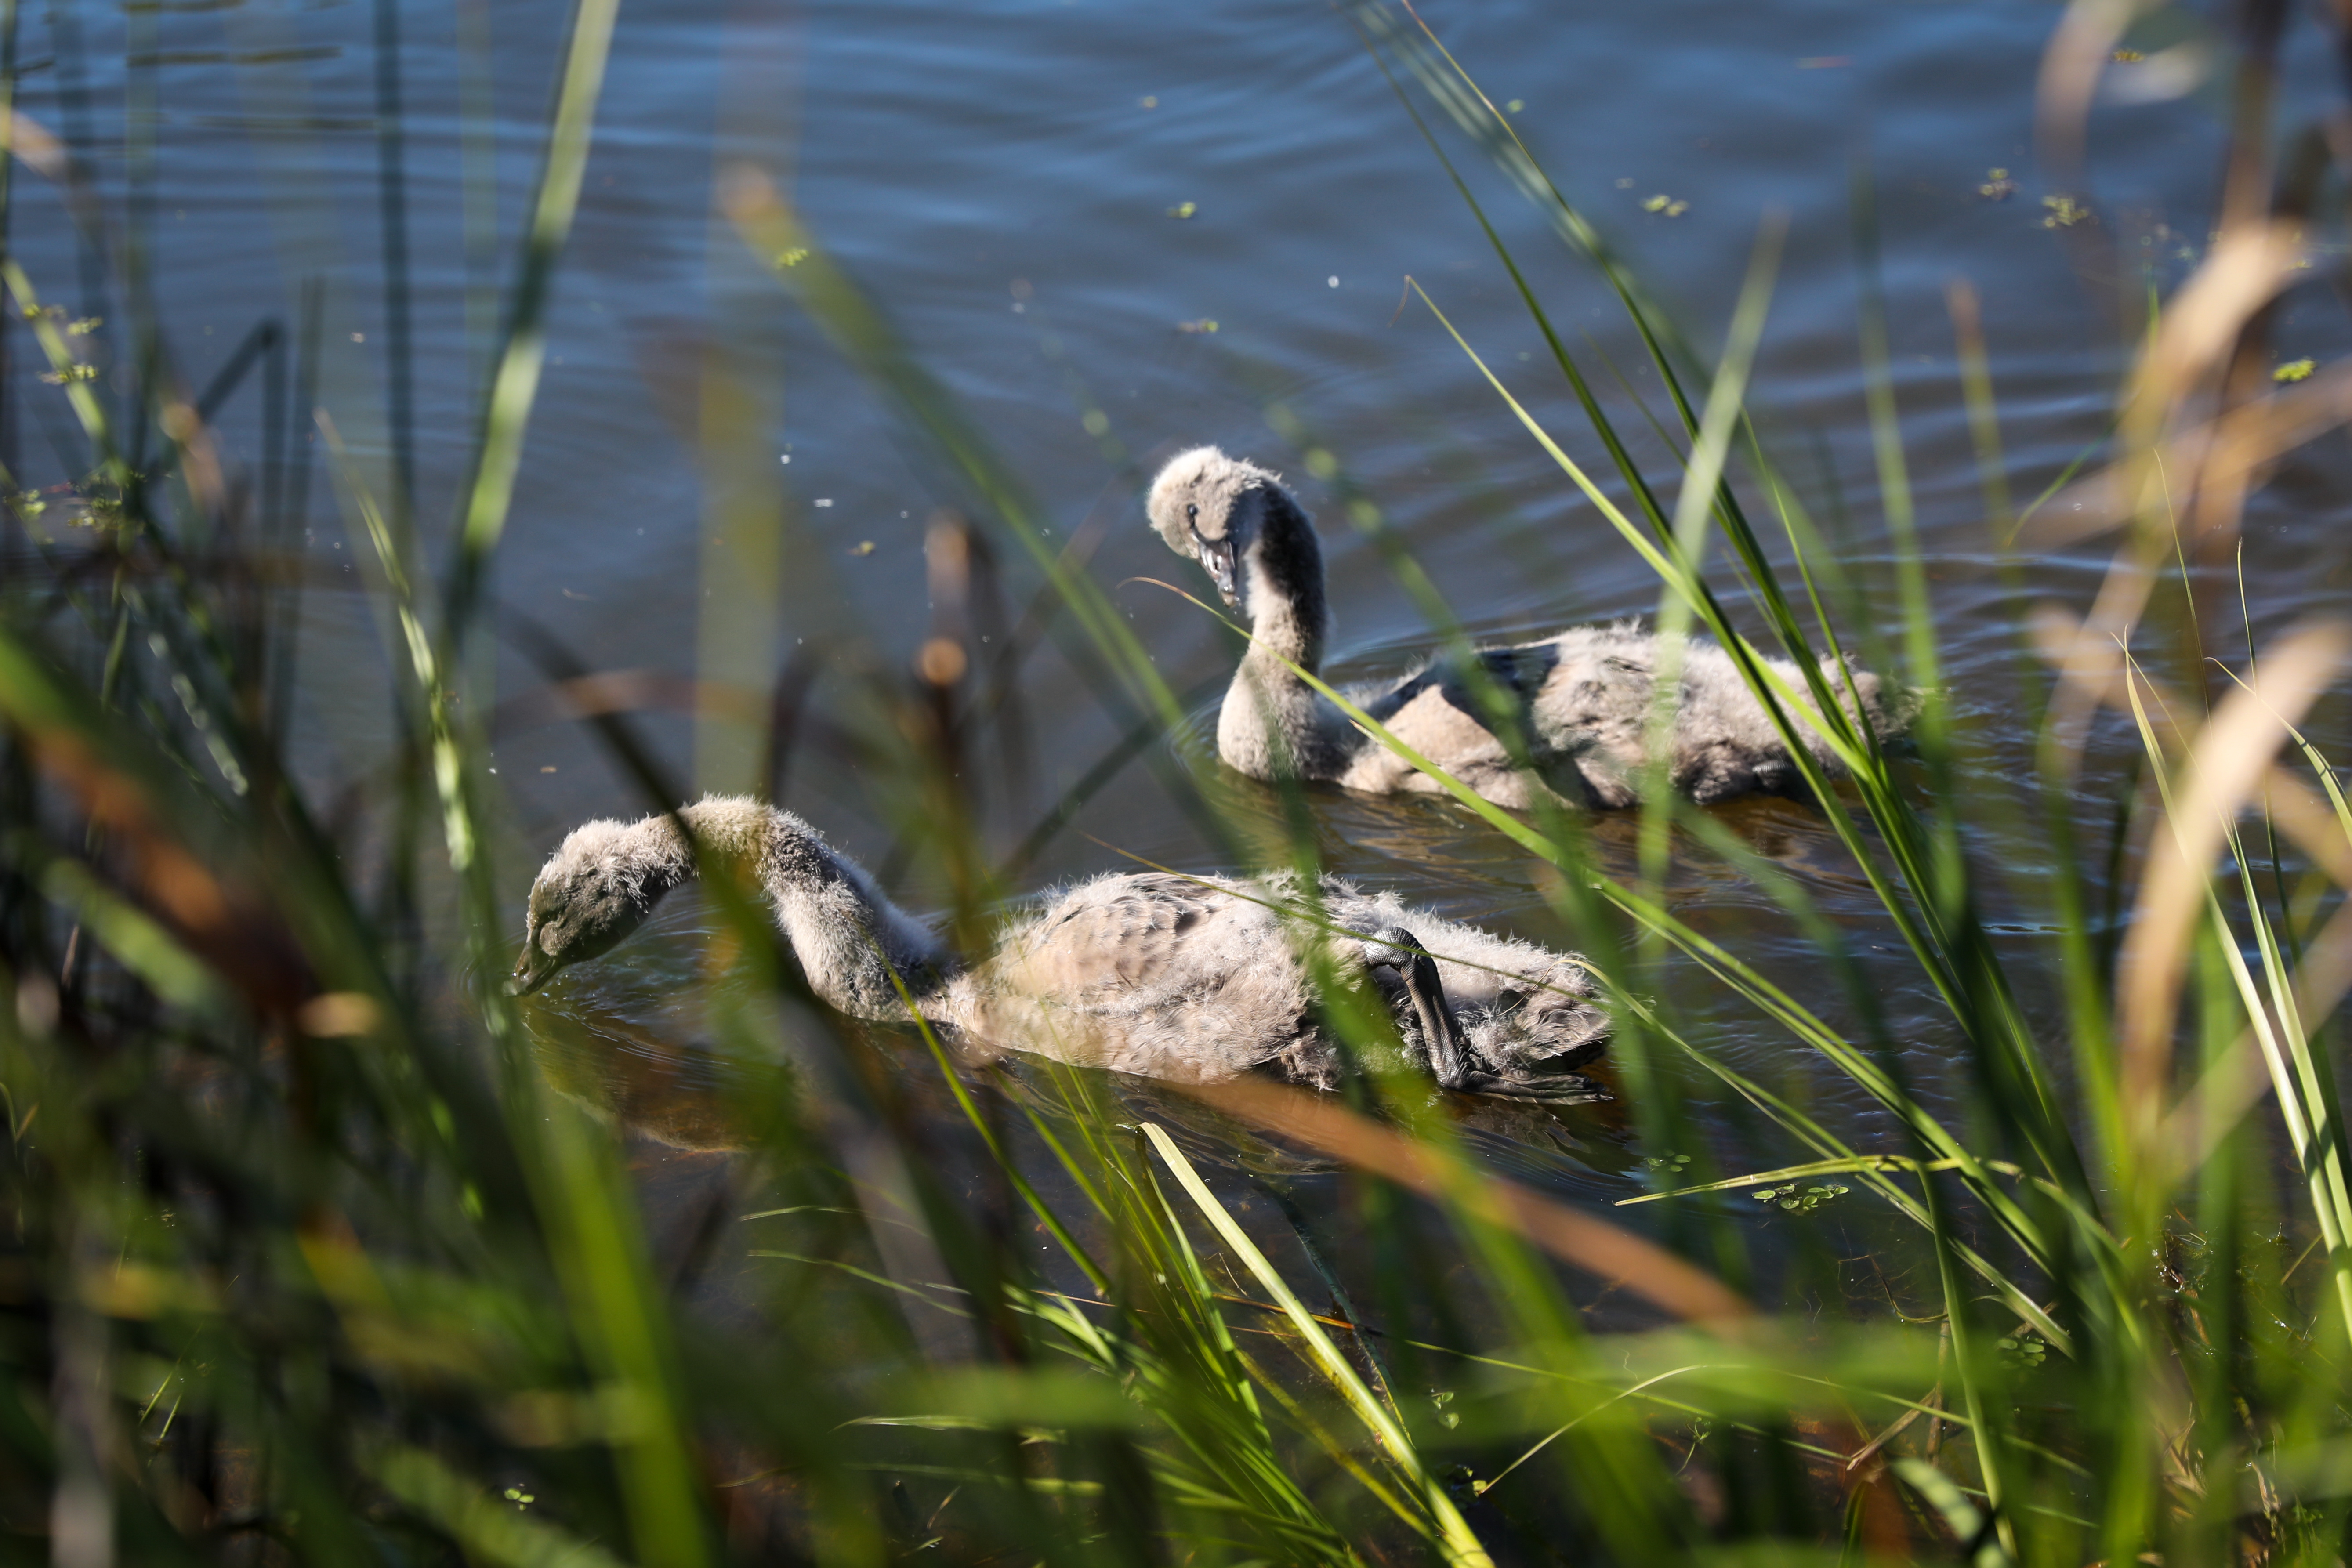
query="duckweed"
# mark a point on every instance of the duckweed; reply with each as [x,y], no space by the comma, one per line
[1794,1197]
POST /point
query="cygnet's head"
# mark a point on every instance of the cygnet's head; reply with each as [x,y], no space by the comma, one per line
[1210,507]
[598,886]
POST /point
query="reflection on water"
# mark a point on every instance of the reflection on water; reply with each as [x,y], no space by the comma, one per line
[624,1073]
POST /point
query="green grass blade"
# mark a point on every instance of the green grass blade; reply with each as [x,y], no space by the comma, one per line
[1455,1539]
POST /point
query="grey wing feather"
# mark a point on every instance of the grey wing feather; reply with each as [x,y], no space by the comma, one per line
[1147,974]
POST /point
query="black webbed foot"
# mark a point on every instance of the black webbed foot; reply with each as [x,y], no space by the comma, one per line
[1398,949]
[1457,1063]
[1542,1089]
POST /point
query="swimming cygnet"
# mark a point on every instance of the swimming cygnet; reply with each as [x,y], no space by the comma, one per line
[1148,973]
[1583,697]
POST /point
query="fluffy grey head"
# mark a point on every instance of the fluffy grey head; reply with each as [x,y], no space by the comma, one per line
[598,886]
[1210,508]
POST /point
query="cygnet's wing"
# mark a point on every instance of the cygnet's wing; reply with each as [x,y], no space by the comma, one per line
[1474,965]
[1594,703]
[1148,974]
[1551,1023]
[1438,714]
[1522,1009]
[1111,936]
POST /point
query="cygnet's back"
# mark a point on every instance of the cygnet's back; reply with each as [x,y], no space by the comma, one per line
[1595,702]
[1201,980]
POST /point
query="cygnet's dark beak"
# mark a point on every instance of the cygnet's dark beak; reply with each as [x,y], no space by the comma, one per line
[1217,558]
[531,971]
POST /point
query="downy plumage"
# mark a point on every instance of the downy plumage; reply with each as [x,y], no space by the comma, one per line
[1160,976]
[1581,698]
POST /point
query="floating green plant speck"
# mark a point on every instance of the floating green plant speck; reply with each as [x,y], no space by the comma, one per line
[1796,1198]
[2295,370]
[2065,212]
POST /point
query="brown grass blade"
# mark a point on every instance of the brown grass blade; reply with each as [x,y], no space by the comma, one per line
[2247,267]
[2070,66]
[2236,1083]
[2229,450]
[2229,758]
[1593,1245]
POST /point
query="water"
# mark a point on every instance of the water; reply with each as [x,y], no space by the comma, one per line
[1045,197]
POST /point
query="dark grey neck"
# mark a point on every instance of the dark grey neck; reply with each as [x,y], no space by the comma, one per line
[850,939]
[1273,723]
[1288,612]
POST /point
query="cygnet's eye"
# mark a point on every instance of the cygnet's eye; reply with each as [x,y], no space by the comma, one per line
[1190,513]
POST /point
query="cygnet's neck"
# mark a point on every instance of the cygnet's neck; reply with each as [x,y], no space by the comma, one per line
[1290,622]
[849,937]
